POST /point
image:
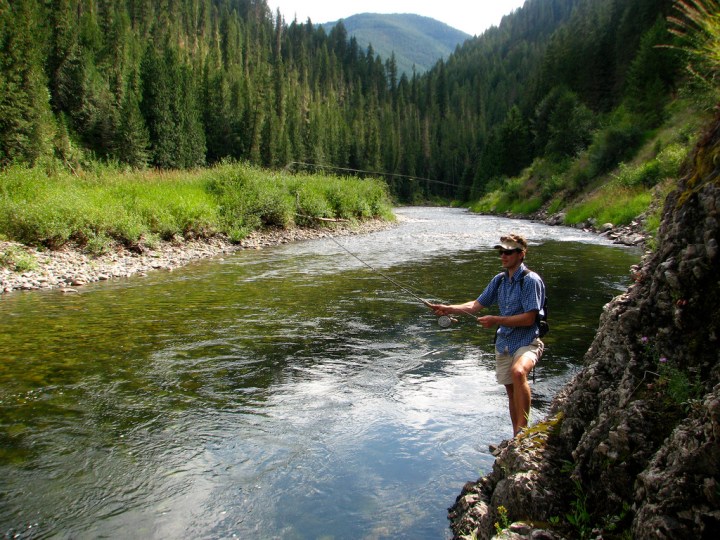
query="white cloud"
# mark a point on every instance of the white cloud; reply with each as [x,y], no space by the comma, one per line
[472,17]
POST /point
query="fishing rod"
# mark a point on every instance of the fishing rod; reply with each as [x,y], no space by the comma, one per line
[444,321]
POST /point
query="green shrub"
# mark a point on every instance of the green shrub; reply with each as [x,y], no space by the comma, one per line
[551,186]
[309,203]
[235,199]
[646,174]
[671,159]
[98,244]
[513,187]
[666,164]
[248,200]
[49,222]
[17,260]
[612,145]
[488,203]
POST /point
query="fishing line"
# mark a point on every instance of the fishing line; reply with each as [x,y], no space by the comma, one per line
[444,321]
[379,173]
[391,280]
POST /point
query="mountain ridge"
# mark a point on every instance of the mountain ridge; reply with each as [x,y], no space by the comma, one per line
[416,40]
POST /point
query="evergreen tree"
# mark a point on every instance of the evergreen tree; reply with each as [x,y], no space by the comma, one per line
[651,75]
[133,142]
[63,55]
[157,108]
[562,125]
[25,123]
[508,150]
[186,111]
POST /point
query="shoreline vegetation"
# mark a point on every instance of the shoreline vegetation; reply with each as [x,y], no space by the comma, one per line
[61,230]
[68,268]
[588,144]
[64,231]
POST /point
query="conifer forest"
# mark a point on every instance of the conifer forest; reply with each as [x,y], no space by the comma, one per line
[179,84]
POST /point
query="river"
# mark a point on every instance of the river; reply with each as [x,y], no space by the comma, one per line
[293,392]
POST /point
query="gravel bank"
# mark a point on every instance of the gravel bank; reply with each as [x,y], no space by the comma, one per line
[70,268]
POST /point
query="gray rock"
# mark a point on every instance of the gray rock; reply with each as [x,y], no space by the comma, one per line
[638,436]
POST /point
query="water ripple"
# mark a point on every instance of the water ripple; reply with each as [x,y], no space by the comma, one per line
[290,392]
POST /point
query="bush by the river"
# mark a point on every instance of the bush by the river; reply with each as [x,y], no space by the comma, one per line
[94,209]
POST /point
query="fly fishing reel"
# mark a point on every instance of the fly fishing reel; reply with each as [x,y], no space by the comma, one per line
[444,321]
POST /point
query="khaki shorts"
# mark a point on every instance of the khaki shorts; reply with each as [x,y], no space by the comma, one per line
[505,361]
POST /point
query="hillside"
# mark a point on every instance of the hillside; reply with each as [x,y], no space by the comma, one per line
[417,41]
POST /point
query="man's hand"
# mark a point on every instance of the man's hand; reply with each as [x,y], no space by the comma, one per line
[440,309]
[488,321]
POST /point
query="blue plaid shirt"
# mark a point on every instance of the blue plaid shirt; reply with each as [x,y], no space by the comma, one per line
[514,296]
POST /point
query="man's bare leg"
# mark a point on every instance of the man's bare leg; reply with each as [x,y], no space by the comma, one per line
[511,406]
[519,393]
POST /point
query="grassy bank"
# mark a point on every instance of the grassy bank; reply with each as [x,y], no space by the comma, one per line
[96,209]
[596,185]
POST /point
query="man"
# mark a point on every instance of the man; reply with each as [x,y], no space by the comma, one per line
[520,294]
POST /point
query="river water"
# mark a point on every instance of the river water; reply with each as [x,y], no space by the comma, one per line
[291,393]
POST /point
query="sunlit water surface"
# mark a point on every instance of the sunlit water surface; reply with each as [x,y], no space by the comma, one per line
[291,393]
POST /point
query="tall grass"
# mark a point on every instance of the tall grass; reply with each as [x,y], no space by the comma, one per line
[616,205]
[697,24]
[231,199]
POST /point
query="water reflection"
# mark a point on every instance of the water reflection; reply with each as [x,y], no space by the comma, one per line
[290,392]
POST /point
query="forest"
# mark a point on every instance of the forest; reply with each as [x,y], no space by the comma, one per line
[565,89]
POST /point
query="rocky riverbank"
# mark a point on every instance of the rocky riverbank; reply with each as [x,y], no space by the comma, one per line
[633,234]
[631,446]
[70,267]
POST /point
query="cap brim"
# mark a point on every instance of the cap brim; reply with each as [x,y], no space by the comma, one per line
[507,246]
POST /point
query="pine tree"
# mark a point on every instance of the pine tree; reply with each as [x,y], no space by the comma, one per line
[133,141]
[156,107]
[651,75]
[562,125]
[190,135]
[25,121]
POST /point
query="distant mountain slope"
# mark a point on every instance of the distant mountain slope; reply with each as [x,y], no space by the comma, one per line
[416,40]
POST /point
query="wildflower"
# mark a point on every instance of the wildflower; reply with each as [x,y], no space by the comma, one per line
[644,339]
[663,360]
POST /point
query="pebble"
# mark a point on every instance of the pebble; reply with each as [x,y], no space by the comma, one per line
[633,234]
[70,267]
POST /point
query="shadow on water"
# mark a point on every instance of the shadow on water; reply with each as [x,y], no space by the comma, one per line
[286,393]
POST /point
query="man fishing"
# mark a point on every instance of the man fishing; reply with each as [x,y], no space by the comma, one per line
[520,295]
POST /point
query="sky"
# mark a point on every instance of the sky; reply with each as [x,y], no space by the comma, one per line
[471,16]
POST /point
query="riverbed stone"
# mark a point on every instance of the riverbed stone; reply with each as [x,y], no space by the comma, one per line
[70,266]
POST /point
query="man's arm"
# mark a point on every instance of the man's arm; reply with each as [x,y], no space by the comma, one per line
[473,306]
[522,319]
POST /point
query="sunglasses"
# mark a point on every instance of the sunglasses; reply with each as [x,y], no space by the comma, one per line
[509,251]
